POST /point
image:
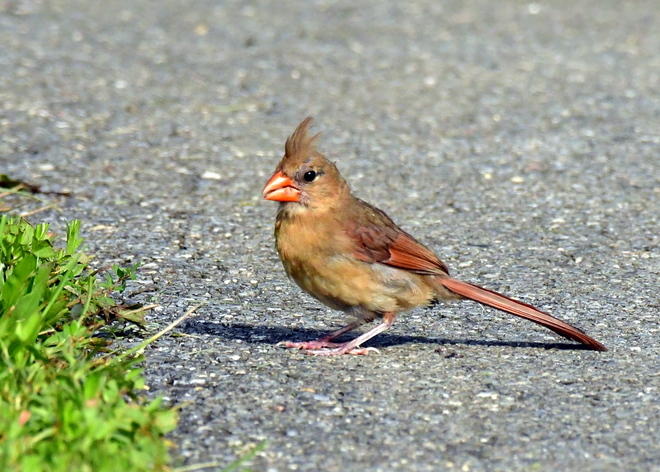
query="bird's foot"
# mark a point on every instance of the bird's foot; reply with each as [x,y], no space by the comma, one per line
[324,347]
[340,350]
[315,345]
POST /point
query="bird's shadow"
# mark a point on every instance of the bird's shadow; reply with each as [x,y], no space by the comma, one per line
[275,334]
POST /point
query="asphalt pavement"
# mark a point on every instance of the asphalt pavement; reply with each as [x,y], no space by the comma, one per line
[520,141]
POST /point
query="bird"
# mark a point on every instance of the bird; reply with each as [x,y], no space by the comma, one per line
[352,257]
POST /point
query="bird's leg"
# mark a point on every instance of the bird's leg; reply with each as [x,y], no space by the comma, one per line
[325,341]
[352,347]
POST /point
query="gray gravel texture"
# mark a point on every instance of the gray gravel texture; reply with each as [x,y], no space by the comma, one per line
[520,141]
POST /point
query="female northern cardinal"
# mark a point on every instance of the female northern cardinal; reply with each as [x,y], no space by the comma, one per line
[351,256]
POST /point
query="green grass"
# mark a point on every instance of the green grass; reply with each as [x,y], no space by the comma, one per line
[67,402]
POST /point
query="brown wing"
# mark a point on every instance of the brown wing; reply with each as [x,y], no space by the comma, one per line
[379,240]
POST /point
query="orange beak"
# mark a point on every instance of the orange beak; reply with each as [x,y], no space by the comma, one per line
[280,188]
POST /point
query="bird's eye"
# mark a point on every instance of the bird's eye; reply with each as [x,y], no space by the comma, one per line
[309,176]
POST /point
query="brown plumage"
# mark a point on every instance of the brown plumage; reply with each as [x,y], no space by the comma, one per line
[352,257]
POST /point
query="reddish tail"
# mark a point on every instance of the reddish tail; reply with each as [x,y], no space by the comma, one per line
[496,300]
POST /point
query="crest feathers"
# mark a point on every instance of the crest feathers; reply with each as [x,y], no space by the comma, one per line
[299,143]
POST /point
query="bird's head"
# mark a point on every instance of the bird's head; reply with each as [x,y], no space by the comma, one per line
[304,176]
